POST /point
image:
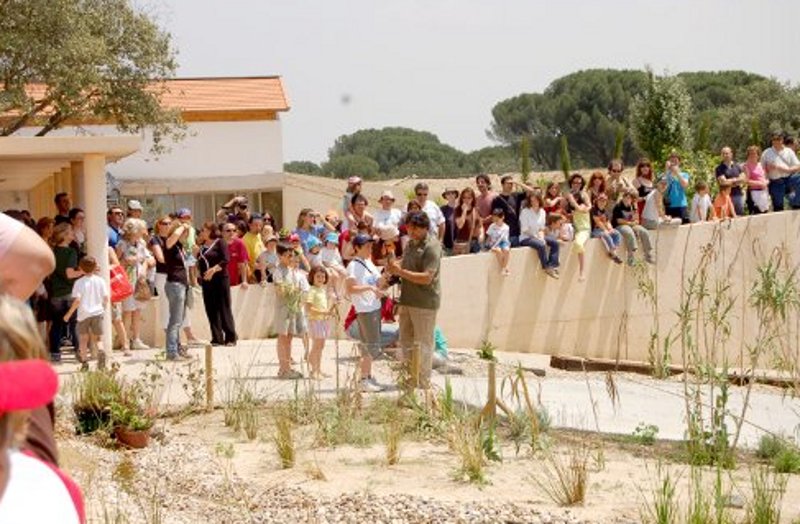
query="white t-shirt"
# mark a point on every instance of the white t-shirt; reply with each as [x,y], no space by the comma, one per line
[650,209]
[531,223]
[93,292]
[434,212]
[784,158]
[364,273]
[331,257]
[35,494]
[701,205]
[391,217]
[497,235]
[9,229]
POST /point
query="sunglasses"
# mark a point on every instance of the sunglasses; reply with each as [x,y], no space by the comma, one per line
[117,213]
[616,170]
[165,223]
[229,230]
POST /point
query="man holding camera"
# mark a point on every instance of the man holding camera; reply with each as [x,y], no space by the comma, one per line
[234,210]
[419,293]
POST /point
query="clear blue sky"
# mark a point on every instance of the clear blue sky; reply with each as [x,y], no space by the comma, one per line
[440,65]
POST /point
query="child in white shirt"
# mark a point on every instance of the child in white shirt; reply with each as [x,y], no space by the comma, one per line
[91,296]
[702,209]
[497,240]
[331,260]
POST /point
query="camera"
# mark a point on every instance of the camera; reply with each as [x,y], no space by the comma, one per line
[393,280]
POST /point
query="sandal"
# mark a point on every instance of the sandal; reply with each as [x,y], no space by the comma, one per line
[290,375]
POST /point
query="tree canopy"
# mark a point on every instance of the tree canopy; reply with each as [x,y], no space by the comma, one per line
[591,107]
[94,60]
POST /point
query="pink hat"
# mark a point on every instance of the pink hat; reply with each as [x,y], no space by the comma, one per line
[26,384]
[353,180]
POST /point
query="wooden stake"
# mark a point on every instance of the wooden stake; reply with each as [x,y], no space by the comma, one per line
[209,379]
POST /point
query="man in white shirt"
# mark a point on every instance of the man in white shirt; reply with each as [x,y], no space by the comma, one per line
[387,214]
[779,162]
[431,209]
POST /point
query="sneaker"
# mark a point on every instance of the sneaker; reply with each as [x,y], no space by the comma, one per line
[292,374]
[101,360]
[138,344]
[196,342]
[370,385]
[616,258]
[552,273]
[631,260]
[183,352]
[650,259]
[173,357]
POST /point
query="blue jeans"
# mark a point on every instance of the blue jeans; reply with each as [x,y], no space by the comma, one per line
[547,250]
[176,297]
[793,189]
[611,239]
[738,204]
[777,192]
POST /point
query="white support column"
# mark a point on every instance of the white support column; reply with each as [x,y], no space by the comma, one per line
[94,200]
[78,184]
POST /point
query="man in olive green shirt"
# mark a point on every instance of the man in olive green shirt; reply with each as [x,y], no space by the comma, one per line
[419,292]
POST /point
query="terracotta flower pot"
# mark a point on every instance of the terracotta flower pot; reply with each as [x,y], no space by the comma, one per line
[134,439]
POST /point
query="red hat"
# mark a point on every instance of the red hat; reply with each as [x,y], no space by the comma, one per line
[294,237]
[26,384]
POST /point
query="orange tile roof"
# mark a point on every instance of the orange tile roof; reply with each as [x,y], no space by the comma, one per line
[264,93]
[226,94]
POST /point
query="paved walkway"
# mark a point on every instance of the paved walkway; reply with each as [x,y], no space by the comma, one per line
[573,400]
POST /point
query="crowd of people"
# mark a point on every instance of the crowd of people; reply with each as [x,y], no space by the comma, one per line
[356,252]
[353,253]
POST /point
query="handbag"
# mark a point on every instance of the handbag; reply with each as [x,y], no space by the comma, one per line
[121,287]
[142,292]
[463,248]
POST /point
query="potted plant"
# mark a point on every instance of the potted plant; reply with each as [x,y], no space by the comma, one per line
[131,423]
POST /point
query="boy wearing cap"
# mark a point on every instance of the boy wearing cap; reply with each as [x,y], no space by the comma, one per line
[135,209]
[387,214]
[353,189]
[28,383]
[291,285]
[268,260]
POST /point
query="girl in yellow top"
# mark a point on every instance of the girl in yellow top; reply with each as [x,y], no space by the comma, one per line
[579,205]
[318,311]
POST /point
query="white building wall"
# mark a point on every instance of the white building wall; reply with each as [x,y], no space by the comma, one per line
[210,149]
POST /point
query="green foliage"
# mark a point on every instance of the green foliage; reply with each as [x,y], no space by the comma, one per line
[787,461]
[701,165]
[490,444]
[566,163]
[588,106]
[768,490]
[660,116]
[99,59]
[493,159]
[303,167]
[399,151]
[486,350]
[525,158]
[769,446]
[619,142]
[645,434]
[664,507]
[345,166]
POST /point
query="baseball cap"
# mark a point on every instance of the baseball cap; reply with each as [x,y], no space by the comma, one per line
[183,212]
[135,205]
[294,237]
[387,232]
[26,384]
[312,242]
[386,194]
[332,237]
[361,239]
[353,180]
